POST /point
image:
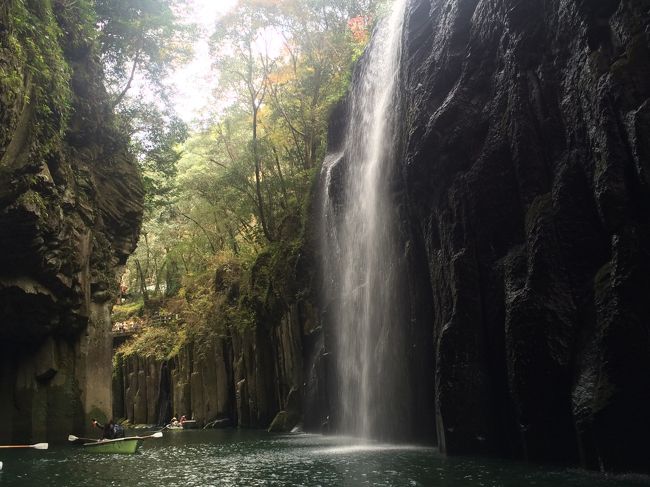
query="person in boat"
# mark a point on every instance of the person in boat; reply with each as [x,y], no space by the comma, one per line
[111,430]
[183,418]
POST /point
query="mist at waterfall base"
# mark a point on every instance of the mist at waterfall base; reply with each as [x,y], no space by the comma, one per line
[229,458]
[378,395]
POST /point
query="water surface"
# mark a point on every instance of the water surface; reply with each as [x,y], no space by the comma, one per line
[253,458]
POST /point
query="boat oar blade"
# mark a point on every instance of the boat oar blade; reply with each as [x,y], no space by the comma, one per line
[157,434]
[38,446]
[80,441]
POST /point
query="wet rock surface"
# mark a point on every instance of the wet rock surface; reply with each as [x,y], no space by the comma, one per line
[526,155]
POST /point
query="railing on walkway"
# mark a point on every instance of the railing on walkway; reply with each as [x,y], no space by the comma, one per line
[123,330]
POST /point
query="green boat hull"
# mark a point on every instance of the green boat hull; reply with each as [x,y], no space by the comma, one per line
[120,445]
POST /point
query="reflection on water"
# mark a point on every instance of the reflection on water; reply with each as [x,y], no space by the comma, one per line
[249,458]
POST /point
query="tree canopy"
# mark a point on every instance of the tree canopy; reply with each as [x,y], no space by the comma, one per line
[234,194]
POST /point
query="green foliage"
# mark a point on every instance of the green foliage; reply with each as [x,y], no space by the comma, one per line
[143,37]
[226,236]
[272,138]
[143,40]
[122,312]
[36,72]
[158,342]
[269,286]
[77,20]
[34,202]
[155,133]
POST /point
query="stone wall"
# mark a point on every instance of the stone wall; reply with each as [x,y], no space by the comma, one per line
[70,212]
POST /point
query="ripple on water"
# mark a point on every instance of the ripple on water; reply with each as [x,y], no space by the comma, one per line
[246,458]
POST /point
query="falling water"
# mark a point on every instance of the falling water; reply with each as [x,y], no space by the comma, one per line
[360,257]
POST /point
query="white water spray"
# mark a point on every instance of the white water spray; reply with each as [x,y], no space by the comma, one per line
[360,256]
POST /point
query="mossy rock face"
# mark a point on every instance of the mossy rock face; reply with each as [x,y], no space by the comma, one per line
[34,81]
[71,200]
[71,195]
[277,278]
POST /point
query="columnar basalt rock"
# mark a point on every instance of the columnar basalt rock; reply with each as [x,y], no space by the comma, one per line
[71,203]
[526,161]
[239,377]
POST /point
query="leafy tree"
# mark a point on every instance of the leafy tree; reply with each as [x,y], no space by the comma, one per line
[234,195]
[142,40]
[145,39]
[244,75]
[141,37]
[155,134]
[322,39]
[283,99]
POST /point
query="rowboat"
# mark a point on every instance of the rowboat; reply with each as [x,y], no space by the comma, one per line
[118,445]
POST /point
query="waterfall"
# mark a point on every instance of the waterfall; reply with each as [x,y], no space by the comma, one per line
[361,261]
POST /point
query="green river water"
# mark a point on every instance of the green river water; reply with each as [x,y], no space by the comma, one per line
[250,458]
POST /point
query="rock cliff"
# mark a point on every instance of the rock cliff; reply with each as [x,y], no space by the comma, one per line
[70,212]
[237,380]
[525,164]
[237,374]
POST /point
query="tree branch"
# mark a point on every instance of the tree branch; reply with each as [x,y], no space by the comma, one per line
[136,60]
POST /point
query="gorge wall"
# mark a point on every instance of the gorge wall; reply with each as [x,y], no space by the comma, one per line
[70,210]
[237,375]
[239,380]
[525,165]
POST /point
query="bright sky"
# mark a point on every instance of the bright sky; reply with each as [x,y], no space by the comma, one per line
[193,83]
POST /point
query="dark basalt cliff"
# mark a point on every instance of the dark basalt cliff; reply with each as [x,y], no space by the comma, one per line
[525,165]
[70,212]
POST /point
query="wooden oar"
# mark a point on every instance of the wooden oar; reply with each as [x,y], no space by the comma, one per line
[157,434]
[38,446]
[76,439]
